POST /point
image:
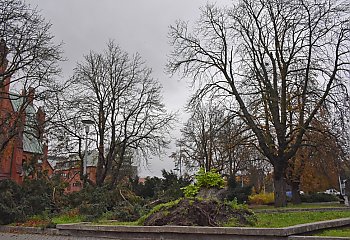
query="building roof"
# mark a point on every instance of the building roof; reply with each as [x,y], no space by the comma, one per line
[70,161]
[31,141]
[92,158]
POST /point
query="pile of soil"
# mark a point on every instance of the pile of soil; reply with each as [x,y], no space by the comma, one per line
[200,213]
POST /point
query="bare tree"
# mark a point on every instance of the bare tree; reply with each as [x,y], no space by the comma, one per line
[236,146]
[211,139]
[31,56]
[28,59]
[117,92]
[280,60]
[199,137]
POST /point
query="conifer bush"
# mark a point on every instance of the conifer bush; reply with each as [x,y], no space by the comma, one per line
[11,205]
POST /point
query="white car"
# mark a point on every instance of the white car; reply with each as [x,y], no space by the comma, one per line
[332,191]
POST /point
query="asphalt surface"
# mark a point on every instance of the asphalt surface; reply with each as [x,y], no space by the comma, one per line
[18,236]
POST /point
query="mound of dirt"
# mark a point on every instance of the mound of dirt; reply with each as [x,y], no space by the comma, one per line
[200,213]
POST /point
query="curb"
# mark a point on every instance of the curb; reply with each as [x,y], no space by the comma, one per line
[30,230]
[316,238]
[187,232]
[183,232]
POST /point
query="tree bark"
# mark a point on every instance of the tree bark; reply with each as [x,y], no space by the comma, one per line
[280,187]
[295,193]
[280,192]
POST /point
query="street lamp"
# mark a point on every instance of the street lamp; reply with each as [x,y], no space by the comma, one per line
[87,123]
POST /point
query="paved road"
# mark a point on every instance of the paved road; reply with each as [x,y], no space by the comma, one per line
[16,236]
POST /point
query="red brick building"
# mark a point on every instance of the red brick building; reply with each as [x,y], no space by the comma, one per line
[69,169]
[22,147]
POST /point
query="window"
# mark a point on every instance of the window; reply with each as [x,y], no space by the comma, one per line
[77,184]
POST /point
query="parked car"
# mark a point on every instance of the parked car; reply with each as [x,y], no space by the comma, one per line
[289,193]
[332,191]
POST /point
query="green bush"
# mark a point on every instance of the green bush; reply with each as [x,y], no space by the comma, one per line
[191,190]
[102,196]
[91,212]
[167,188]
[102,202]
[235,191]
[17,203]
[210,179]
[38,196]
[125,212]
[318,197]
[92,202]
[11,206]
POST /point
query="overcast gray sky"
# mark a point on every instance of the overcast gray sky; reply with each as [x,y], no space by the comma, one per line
[136,26]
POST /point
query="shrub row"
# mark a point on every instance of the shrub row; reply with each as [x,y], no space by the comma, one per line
[19,202]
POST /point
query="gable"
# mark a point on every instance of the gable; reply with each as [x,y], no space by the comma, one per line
[31,141]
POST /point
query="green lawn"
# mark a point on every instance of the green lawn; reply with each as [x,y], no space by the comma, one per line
[116,223]
[339,232]
[303,205]
[268,220]
[272,220]
[278,220]
[62,219]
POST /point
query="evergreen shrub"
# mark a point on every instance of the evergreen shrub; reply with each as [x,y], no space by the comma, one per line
[319,197]
[11,206]
[235,191]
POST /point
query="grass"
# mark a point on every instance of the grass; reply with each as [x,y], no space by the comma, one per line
[338,232]
[71,216]
[278,220]
[303,205]
[268,220]
[316,205]
[67,218]
[116,223]
[271,220]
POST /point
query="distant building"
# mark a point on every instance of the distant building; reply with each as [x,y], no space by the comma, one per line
[69,169]
[128,170]
[22,147]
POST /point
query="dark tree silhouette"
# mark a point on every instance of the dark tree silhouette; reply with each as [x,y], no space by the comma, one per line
[280,60]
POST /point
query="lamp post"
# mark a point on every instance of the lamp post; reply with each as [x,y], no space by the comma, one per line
[87,123]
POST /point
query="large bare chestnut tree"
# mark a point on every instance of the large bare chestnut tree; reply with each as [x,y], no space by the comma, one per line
[281,60]
[118,93]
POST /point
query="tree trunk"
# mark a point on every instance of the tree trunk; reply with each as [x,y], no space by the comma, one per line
[280,192]
[280,188]
[295,193]
[100,171]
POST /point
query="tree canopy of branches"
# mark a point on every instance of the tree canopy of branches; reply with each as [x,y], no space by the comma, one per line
[28,59]
[31,55]
[211,139]
[318,163]
[117,92]
[280,60]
